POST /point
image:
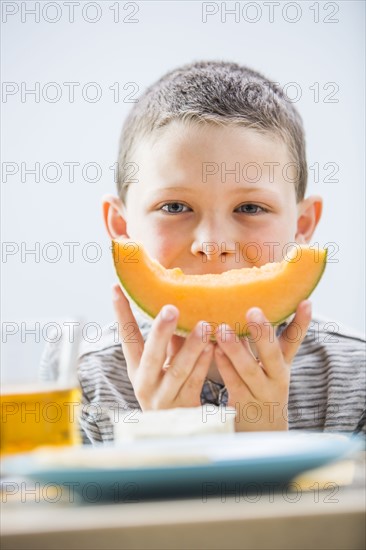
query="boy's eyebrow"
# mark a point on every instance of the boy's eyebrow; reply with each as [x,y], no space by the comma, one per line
[233,191]
[174,188]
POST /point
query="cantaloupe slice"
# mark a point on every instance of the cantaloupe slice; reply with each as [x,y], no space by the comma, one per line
[276,288]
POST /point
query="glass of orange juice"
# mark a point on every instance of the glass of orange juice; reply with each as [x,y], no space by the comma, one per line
[38,415]
[43,413]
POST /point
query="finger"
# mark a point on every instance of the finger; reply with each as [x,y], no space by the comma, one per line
[184,362]
[128,329]
[267,344]
[155,350]
[234,383]
[295,332]
[240,356]
[246,343]
[175,344]
[192,388]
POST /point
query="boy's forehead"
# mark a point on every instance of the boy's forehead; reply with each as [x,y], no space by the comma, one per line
[208,142]
[181,153]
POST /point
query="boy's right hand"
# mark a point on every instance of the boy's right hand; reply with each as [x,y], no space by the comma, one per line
[156,385]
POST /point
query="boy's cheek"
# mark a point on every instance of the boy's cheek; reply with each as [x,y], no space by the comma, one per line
[257,253]
[272,245]
[163,252]
[165,246]
[162,245]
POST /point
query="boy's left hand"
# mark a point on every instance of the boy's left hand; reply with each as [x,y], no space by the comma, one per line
[259,388]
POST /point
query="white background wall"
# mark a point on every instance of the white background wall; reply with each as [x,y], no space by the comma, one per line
[165,35]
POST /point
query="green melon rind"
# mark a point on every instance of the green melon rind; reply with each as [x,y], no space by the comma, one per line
[181,331]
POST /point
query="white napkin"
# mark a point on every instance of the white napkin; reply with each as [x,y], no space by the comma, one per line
[206,419]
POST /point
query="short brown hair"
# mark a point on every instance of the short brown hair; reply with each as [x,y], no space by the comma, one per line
[215,92]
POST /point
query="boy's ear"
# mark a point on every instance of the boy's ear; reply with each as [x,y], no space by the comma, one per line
[309,213]
[114,216]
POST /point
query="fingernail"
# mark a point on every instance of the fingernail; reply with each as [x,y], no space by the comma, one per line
[227,334]
[199,329]
[307,308]
[115,292]
[256,315]
[207,348]
[168,313]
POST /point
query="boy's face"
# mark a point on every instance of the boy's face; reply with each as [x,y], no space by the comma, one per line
[209,198]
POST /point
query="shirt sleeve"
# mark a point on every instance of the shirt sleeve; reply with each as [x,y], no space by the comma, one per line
[48,366]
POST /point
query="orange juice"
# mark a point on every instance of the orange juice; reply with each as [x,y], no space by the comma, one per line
[38,415]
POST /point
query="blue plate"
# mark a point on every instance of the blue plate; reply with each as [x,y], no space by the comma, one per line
[205,466]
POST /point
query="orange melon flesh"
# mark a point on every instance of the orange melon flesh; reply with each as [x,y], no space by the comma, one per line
[276,288]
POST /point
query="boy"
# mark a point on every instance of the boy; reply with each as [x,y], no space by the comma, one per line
[212,159]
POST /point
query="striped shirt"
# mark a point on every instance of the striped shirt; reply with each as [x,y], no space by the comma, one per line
[327,384]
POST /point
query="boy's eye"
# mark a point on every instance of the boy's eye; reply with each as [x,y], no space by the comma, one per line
[174,207]
[251,208]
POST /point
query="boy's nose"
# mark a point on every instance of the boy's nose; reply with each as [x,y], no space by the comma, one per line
[214,250]
[213,243]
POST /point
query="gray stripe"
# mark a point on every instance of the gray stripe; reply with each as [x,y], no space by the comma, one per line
[325,375]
